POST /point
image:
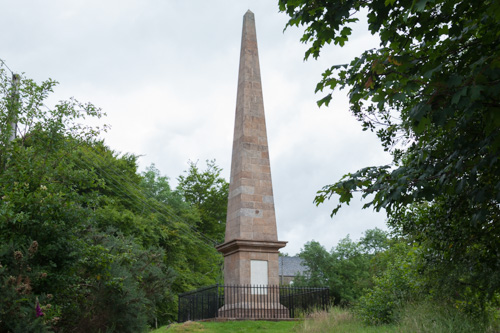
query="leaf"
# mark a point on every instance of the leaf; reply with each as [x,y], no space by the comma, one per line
[475,92]
[420,5]
[419,111]
[459,94]
[325,100]
[369,83]
[429,73]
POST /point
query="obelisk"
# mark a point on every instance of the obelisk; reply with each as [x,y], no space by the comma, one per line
[251,242]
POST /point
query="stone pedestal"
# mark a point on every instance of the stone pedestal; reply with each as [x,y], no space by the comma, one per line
[242,297]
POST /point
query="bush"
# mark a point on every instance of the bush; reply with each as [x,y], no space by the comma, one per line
[120,285]
[18,302]
[397,285]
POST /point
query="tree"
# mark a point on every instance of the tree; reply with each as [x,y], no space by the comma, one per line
[189,253]
[393,287]
[318,262]
[374,241]
[348,269]
[72,239]
[208,192]
[46,199]
[430,91]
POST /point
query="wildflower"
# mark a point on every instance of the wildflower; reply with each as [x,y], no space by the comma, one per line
[39,312]
[49,296]
[18,255]
[23,288]
[33,248]
[43,187]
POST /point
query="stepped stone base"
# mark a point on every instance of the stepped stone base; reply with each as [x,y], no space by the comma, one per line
[254,311]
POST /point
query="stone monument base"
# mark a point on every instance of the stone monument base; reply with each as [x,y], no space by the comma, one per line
[254,311]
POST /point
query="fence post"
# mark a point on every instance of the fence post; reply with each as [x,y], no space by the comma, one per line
[179,308]
[217,300]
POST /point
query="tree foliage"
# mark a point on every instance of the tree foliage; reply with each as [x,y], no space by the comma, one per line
[208,192]
[98,245]
[396,285]
[431,93]
[348,269]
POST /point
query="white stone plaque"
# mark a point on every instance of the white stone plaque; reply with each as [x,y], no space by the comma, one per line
[258,276]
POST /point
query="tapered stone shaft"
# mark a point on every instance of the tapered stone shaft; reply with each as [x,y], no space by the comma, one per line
[251,236]
[251,205]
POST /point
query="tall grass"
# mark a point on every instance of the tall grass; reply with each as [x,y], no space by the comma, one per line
[421,317]
[338,320]
[435,317]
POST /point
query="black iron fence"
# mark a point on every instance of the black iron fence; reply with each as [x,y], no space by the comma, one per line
[250,302]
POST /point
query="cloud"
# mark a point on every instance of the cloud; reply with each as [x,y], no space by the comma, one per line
[166,73]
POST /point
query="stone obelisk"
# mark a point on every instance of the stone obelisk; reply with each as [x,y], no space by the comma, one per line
[251,242]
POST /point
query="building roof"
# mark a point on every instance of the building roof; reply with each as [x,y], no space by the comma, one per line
[291,266]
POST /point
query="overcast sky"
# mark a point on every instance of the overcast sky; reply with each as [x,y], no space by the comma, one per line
[165,72]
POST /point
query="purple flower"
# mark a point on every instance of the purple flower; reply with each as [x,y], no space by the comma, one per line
[39,312]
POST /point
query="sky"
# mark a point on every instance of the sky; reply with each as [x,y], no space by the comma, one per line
[165,72]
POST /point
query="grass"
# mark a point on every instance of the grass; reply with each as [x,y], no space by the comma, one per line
[335,320]
[432,317]
[415,318]
[339,320]
[230,326]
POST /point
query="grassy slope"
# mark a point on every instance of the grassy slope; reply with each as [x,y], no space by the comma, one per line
[420,318]
[272,327]
[231,326]
[336,320]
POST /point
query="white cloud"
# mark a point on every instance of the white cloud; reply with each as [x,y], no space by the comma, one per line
[166,74]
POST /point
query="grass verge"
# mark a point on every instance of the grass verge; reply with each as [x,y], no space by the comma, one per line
[231,326]
[339,320]
[415,318]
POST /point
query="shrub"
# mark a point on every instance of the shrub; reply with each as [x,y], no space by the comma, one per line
[397,285]
[18,302]
[120,286]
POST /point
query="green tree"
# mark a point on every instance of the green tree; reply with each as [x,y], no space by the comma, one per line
[318,262]
[374,241]
[430,91]
[399,283]
[75,234]
[348,269]
[189,253]
[208,192]
[460,263]
[46,198]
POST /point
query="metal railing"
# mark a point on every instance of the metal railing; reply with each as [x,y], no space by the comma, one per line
[250,302]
